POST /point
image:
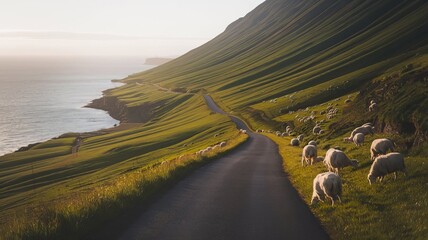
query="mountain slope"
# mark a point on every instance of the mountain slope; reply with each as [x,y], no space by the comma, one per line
[285,46]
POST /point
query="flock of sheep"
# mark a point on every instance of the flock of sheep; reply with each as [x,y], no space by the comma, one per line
[329,184]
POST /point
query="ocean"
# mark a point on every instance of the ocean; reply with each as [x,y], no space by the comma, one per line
[44,97]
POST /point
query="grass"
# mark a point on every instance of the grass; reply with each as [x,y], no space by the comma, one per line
[76,216]
[48,173]
[388,210]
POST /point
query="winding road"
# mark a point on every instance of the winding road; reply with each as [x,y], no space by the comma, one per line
[244,195]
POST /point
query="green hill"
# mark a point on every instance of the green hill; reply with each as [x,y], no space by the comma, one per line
[317,50]
[283,64]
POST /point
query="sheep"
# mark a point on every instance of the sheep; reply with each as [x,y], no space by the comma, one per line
[328,185]
[358,139]
[321,132]
[380,146]
[259,130]
[278,133]
[222,144]
[243,131]
[385,164]
[309,153]
[300,137]
[294,142]
[284,134]
[316,129]
[313,143]
[367,124]
[372,107]
[363,129]
[336,160]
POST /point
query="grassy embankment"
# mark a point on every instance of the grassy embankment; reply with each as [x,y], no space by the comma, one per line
[48,193]
[388,210]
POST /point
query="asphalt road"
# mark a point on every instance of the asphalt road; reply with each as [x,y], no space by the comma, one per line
[244,195]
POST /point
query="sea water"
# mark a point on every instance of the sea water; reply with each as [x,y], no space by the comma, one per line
[44,97]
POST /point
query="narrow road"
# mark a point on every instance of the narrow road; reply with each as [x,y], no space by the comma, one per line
[244,195]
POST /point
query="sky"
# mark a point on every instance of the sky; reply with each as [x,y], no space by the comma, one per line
[152,28]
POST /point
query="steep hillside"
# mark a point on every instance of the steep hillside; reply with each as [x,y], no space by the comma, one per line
[316,50]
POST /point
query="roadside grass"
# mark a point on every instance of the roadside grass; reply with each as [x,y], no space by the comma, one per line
[76,216]
[389,210]
[49,173]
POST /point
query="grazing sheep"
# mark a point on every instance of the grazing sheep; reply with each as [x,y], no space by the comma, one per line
[284,134]
[309,155]
[321,132]
[363,129]
[328,185]
[243,131]
[367,124]
[358,139]
[259,130]
[385,164]
[316,129]
[222,144]
[300,137]
[313,143]
[294,142]
[336,160]
[278,133]
[381,146]
[372,107]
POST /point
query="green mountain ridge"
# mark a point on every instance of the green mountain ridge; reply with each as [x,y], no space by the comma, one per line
[319,50]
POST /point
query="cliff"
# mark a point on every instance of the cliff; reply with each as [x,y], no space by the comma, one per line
[121,112]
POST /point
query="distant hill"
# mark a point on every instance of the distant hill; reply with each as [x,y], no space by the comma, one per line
[157,61]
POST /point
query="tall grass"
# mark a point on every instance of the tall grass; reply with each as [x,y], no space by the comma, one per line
[78,215]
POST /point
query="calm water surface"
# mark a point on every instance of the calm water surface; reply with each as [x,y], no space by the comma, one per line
[42,97]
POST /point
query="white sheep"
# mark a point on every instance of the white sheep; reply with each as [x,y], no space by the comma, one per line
[243,131]
[309,155]
[363,129]
[336,160]
[316,129]
[358,139]
[328,185]
[385,164]
[313,143]
[372,107]
[222,144]
[380,146]
[300,137]
[278,133]
[321,132]
[284,134]
[367,124]
[294,142]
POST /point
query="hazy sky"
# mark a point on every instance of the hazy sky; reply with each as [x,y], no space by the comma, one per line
[113,27]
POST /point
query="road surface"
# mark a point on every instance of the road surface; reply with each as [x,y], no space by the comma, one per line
[244,195]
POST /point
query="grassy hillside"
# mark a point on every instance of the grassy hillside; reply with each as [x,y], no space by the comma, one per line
[284,46]
[283,62]
[287,61]
[49,174]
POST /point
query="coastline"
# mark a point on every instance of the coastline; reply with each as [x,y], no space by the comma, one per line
[110,111]
[65,121]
